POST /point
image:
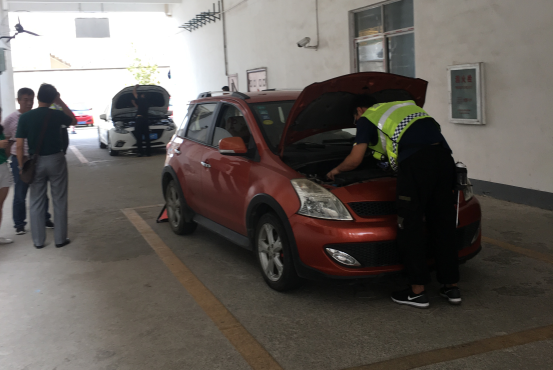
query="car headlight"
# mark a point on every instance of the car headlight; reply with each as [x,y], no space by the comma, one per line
[318,202]
[468,193]
[120,127]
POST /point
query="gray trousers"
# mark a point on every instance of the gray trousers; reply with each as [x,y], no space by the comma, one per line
[53,169]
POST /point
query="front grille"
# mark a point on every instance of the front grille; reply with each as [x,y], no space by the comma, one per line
[371,209]
[158,132]
[386,253]
[371,254]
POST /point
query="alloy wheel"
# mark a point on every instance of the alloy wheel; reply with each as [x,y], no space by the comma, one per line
[270,252]
[173,206]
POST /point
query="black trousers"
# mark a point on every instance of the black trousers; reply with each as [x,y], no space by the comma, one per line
[425,192]
[142,134]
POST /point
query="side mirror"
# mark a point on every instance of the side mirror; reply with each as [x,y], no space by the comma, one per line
[103,116]
[232,146]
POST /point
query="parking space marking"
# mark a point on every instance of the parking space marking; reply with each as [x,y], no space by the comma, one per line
[250,349]
[462,350]
[513,248]
[78,154]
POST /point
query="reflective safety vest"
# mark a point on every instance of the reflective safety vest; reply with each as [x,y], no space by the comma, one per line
[378,152]
[392,120]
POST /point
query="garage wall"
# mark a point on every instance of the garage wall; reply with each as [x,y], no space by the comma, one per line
[512,38]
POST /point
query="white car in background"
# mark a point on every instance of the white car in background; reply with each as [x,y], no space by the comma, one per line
[116,126]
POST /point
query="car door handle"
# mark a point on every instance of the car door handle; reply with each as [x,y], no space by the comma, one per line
[206,165]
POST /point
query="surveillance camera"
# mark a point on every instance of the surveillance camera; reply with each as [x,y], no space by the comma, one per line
[303,42]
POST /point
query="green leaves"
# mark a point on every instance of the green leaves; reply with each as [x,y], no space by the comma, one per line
[144,73]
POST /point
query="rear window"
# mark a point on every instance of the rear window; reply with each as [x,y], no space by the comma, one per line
[271,119]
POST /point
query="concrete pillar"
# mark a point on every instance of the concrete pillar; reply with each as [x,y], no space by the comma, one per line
[7,94]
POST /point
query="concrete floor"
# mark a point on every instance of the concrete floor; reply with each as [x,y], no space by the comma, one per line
[107,301]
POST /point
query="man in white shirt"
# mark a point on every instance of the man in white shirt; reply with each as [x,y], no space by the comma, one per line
[25,98]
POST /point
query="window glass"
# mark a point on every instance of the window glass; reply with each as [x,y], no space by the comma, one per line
[401,54]
[201,122]
[271,119]
[371,56]
[398,15]
[368,22]
[231,123]
[182,126]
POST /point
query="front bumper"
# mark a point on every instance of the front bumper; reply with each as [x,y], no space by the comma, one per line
[127,141]
[372,242]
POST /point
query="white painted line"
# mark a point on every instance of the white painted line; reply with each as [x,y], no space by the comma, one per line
[78,154]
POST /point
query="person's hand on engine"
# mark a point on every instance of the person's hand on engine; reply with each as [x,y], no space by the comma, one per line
[333,173]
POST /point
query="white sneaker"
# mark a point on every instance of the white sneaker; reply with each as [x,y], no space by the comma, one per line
[5,241]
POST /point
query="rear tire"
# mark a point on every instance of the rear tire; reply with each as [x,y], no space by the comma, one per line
[176,210]
[274,254]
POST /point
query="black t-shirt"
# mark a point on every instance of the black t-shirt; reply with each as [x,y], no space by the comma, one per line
[423,132]
[143,106]
[55,137]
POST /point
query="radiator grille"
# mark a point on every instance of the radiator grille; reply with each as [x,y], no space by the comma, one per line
[371,209]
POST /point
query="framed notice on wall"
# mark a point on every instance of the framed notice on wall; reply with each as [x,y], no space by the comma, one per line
[466,93]
[257,79]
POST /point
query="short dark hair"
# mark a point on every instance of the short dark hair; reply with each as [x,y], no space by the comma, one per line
[225,88]
[362,101]
[24,91]
[47,93]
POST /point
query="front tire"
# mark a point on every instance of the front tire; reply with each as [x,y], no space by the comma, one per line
[274,254]
[102,145]
[175,210]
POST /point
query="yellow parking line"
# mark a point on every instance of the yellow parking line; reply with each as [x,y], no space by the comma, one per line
[463,350]
[250,349]
[513,248]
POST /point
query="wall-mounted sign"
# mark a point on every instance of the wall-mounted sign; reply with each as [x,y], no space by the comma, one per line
[466,93]
[233,82]
[257,79]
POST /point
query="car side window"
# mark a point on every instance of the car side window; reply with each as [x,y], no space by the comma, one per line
[231,123]
[182,126]
[201,122]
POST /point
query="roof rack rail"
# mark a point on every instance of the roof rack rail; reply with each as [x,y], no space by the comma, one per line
[240,95]
[269,90]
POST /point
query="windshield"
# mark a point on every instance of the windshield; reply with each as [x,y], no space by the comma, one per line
[271,119]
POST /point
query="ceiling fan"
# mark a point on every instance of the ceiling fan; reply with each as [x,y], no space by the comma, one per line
[19,29]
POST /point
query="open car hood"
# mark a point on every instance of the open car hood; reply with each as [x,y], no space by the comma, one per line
[325,106]
[158,98]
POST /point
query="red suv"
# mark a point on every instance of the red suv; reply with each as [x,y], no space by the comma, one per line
[252,169]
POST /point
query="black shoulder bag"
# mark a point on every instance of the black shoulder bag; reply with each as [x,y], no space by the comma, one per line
[29,167]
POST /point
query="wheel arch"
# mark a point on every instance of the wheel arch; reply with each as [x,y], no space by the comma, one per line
[264,203]
[168,174]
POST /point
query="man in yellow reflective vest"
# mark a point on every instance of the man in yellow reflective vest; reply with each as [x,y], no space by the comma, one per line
[410,140]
